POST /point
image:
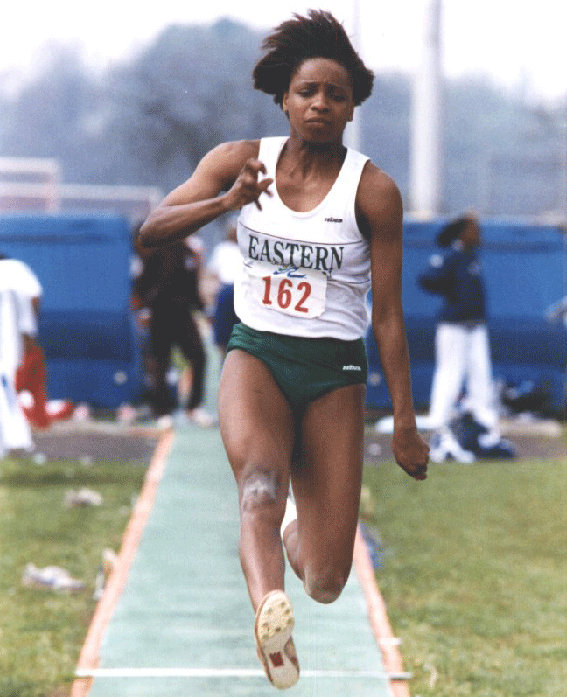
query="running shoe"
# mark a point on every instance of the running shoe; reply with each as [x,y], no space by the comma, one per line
[274,644]
[444,446]
[165,422]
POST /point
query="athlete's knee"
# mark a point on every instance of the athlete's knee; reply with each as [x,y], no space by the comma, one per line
[259,491]
[325,585]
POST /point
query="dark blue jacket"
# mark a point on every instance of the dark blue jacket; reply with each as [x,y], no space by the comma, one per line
[457,277]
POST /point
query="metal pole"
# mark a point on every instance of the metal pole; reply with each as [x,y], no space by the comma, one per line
[563,182]
[426,155]
[353,130]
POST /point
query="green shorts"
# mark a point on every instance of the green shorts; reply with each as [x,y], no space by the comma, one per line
[304,369]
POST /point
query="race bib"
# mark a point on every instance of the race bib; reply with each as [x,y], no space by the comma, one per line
[293,291]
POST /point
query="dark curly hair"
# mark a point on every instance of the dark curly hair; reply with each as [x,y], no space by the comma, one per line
[319,35]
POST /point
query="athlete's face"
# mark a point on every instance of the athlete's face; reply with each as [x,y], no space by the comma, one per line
[319,101]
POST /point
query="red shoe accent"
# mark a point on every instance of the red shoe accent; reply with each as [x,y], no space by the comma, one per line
[274,644]
[277,659]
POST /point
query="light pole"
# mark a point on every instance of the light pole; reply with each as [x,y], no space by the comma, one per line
[353,130]
[426,141]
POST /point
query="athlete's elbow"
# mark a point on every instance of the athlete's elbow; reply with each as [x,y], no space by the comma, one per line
[145,237]
[151,233]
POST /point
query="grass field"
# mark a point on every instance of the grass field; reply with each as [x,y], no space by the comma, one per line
[473,574]
[473,571]
[42,631]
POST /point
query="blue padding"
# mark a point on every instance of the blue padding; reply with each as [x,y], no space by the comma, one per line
[87,334]
[526,341]
[85,328]
[82,262]
[99,383]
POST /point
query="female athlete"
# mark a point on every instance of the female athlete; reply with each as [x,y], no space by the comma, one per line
[319,226]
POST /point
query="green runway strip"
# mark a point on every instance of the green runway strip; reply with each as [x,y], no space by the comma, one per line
[184,625]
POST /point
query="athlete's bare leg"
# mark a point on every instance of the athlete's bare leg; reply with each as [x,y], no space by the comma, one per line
[257,429]
[326,478]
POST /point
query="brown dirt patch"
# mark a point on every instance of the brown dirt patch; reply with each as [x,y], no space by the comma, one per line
[94,442]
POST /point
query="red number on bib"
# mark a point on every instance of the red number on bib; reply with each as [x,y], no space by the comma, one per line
[267,285]
[306,287]
[284,294]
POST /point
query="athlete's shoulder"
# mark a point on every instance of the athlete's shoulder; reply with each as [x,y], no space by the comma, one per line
[378,194]
[374,180]
[224,162]
[235,152]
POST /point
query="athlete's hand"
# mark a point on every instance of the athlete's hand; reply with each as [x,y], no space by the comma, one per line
[247,188]
[411,452]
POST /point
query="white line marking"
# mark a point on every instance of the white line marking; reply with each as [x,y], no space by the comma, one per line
[226,673]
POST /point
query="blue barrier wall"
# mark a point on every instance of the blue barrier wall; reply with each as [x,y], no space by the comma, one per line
[85,326]
[525,272]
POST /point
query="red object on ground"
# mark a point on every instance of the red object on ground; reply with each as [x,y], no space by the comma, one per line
[30,377]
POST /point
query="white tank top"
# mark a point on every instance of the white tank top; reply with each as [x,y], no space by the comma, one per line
[304,273]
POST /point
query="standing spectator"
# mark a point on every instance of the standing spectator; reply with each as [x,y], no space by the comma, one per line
[461,345]
[168,289]
[223,269]
[19,287]
[21,356]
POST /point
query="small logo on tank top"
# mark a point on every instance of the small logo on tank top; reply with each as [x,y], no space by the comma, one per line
[351,367]
[333,220]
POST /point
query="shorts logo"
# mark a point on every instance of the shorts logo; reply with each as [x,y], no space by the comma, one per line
[352,367]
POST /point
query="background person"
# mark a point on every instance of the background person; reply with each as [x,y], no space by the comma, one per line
[462,347]
[18,329]
[29,381]
[223,268]
[166,290]
[318,224]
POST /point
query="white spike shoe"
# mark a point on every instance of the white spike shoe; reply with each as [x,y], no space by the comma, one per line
[272,629]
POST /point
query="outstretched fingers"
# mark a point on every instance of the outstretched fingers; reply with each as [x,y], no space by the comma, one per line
[249,187]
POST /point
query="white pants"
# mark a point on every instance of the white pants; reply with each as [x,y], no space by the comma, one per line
[462,357]
[16,318]
[15,432]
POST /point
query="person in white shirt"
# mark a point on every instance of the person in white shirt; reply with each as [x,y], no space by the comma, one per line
[20,290]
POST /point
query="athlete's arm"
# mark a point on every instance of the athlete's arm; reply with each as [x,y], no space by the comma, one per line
[379,212]
[232,168]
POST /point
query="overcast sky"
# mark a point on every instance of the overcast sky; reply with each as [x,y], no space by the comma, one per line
[512,41]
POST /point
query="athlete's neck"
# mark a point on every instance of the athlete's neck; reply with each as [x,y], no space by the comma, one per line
[302,156]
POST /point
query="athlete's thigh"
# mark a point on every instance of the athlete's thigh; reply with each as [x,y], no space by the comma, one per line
[256,422]
[327,476]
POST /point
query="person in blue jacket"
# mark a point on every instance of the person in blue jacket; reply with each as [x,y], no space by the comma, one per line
[461,344]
